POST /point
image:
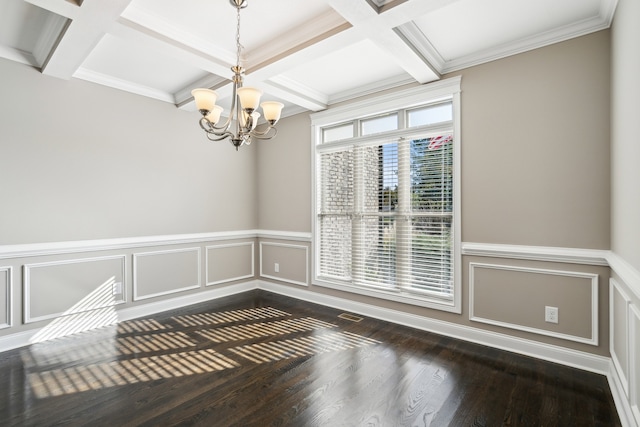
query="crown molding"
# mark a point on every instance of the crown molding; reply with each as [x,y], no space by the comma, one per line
[124,85]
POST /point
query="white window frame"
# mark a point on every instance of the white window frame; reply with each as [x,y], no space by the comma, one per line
[444,90]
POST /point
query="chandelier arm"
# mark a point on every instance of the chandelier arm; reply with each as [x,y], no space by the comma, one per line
[211,129]
[265,134]
[218,137]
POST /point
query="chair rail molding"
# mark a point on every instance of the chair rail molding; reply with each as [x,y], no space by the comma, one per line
[538,253]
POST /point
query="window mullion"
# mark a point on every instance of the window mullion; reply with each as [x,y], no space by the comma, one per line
[403,222]
[358,224]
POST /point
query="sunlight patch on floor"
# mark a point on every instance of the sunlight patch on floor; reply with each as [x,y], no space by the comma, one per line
[78,379]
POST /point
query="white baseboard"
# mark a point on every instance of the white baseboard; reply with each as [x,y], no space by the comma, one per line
[619,398]
[561,355]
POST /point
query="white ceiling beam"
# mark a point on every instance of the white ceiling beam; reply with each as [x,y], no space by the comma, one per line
[133,32]
[184,99]
[17,55]
[67,8]
[296,93]
[91,23]
[271,72]
[380,29]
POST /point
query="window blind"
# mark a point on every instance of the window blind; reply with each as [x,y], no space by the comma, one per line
[385,214]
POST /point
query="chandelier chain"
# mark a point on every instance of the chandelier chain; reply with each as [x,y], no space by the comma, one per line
[238,45]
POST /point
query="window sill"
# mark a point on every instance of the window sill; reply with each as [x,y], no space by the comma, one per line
[452,306]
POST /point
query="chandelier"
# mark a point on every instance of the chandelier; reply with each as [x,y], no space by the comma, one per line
[241,124]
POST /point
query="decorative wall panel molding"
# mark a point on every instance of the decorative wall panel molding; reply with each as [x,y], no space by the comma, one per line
[634,357]
[628,274]
[229,262]
[619,344]
[6,305]
[292,262]
[485,295]
[165,272]
[66,287]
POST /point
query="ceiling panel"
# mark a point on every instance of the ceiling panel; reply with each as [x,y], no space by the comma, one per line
[308,54]
[213,22]
[352,67]
[144,67]
[469,26]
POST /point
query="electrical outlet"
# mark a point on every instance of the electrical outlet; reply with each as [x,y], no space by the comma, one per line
[117,288]
[551,314]
[276,267]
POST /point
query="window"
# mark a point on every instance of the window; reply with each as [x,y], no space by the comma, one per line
[386,211]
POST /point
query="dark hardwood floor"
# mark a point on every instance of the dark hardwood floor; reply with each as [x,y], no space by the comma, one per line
[260,359]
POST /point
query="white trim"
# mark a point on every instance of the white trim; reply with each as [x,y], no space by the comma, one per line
[574,358]
[284,235]
[137,297]
[623,407]
[537,253]
[57,248]
[371,89]
[282,279]
[423,300]
[231,279]
[628,274]
[18,55]
[183,301]
[8,322]
[620,369]
[448,89]
[26,279]
[21,339]
[593,340]
[634,358]
[400,99]
[51,30]
[124,85]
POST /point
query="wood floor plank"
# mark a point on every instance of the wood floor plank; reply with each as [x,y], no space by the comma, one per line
[259,359]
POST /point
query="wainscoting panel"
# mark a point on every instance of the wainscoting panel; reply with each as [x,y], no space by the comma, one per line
[619,304]
[529,291]
[165,272]
[53,289]
[229,262]
[6,280]
[634,345]
[285,262]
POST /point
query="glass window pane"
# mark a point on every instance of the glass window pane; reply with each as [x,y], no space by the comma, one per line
[335,249]
[432,255]
[388,197]
[432,174]
[337,133]
[430,115]
[380,124]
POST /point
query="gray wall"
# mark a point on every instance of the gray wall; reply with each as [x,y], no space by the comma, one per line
[535,156]
[284,177]
[101,189]
[82,161]
[535,172]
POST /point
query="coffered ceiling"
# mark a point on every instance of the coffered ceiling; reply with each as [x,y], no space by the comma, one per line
[307,54]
